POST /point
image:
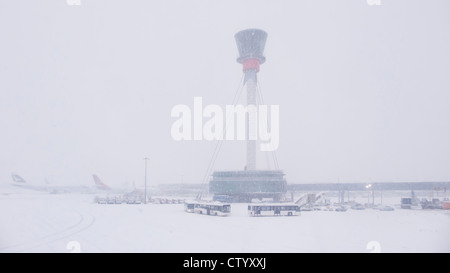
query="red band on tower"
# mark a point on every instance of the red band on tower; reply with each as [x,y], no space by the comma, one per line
[251,64]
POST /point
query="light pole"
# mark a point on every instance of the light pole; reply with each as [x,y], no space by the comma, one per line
[145,191]
[368,186]
[373,197]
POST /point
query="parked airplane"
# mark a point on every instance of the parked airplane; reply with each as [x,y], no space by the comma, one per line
[99,183]
[100,187]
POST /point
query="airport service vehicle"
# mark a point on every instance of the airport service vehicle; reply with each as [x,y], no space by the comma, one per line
[435,203]
[386,208]
[357,206]
[446,204]
[273,209]
[101,200]
[341,209]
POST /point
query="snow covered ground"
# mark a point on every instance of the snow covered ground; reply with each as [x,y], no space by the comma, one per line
[32,222]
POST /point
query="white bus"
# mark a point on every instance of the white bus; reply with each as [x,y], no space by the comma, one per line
[189,206]
[273,209]
[212,208]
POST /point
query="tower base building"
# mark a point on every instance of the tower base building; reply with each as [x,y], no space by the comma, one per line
[243,186]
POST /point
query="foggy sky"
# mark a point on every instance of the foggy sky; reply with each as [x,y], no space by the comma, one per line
[364,91]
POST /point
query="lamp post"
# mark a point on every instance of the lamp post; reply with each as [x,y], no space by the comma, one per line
[145,181]
[368,186]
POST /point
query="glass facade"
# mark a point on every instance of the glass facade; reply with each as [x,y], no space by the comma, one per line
[247,182]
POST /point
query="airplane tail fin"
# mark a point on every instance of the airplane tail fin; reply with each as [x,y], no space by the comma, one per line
[99,183]
[17,178]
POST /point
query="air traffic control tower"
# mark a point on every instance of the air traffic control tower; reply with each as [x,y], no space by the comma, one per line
[244,185]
